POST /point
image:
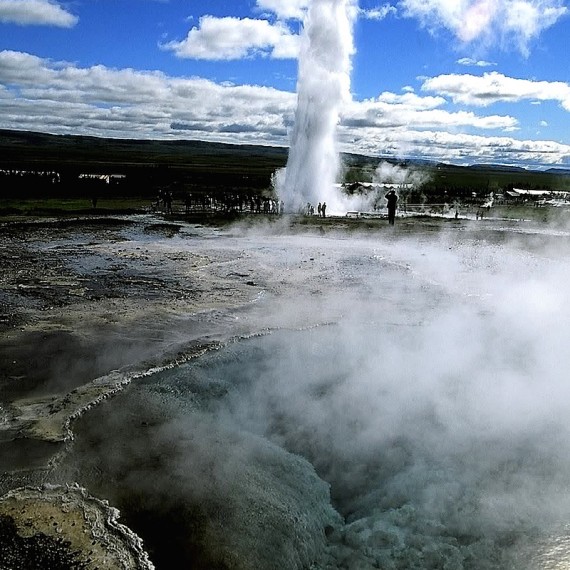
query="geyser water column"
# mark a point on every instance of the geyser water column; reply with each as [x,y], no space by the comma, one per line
[323,85]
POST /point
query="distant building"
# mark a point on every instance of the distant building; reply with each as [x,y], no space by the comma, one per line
[521,192]
[521,195]
[364,187]
[106,178]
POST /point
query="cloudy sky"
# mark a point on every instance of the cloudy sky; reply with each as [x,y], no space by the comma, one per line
[461,81]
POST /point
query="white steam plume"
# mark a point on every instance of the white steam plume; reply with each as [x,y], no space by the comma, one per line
[388,173]
[323,86]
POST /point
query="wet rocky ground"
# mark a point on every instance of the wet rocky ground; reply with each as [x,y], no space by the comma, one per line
[81,300]
[86,305]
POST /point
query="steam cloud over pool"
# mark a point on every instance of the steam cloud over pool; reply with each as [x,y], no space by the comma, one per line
[432,397]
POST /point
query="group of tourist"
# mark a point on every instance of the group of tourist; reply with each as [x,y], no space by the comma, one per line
[391,198]
[258,204]
[321,209]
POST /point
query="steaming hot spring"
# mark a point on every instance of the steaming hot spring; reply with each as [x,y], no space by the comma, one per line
[398,402]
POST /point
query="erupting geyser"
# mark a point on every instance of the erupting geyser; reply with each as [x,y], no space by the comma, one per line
[323,85]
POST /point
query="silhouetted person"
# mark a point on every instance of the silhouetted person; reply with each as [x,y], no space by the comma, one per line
[324,208]
[319,210]
[168,202]
[392,201]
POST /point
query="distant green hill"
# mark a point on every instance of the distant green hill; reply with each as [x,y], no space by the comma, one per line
[201,160]
[197,164]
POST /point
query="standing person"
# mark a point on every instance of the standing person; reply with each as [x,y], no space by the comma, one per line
[319,210]
[392,201]
[168,201]
[324,208]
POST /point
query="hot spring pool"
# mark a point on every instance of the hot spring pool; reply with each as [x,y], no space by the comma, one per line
[355,445]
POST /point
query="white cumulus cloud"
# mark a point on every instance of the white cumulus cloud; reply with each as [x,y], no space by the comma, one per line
[517,22]
[233,38]
[285,9]
[36,13]
[495,87]
[391,110]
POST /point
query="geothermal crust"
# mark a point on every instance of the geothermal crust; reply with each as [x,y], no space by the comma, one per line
[58,527]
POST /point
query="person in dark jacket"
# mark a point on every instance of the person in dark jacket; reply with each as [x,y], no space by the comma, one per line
[392,201]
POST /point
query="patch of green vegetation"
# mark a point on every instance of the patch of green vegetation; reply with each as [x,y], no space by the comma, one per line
[146,164]
[71,206]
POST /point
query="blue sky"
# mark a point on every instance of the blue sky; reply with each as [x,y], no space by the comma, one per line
[461,81]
